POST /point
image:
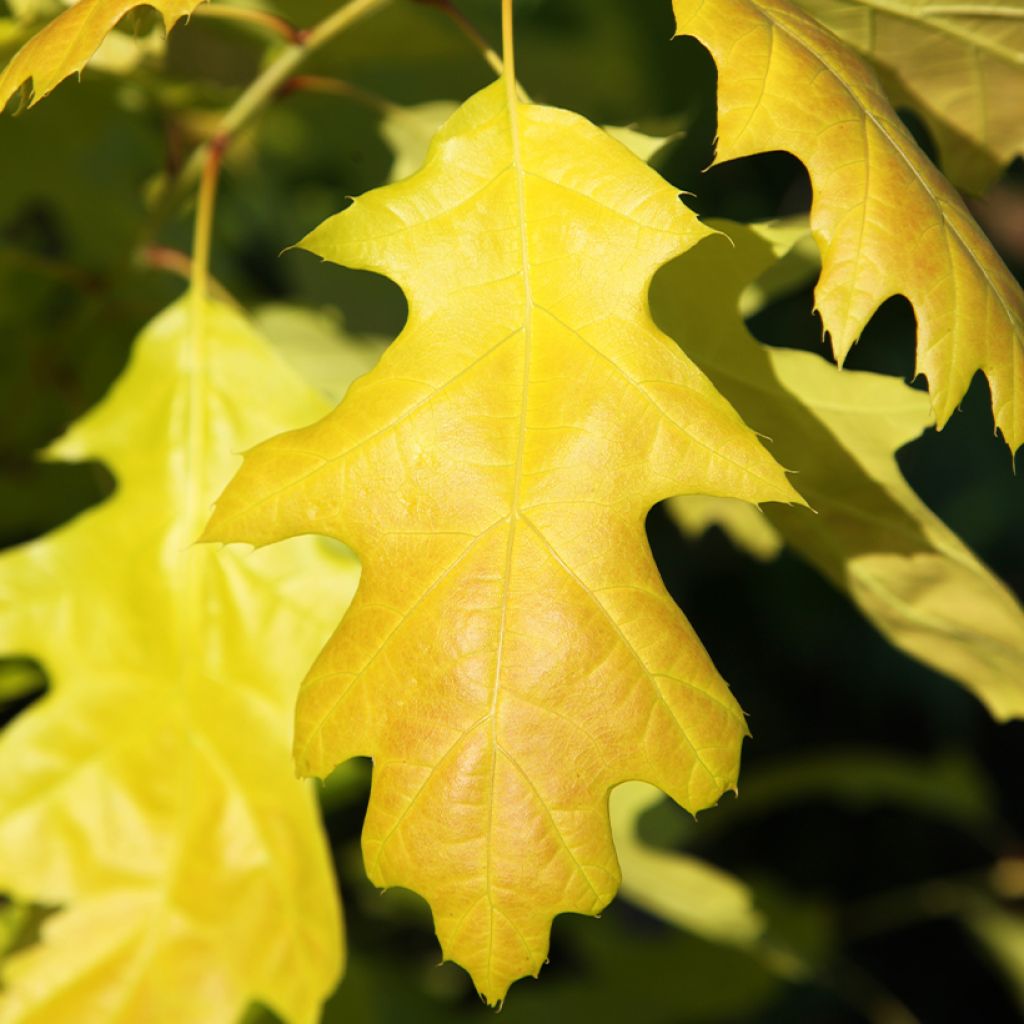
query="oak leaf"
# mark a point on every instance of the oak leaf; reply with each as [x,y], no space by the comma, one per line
[150,795]
[65,46]
[885,219]
[960,65]
[511,653]
[839,430]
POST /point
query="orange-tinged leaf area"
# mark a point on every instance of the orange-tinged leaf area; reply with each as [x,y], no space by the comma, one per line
[960,65]
[64,46]
[511,653]
[885,219]
[150,795]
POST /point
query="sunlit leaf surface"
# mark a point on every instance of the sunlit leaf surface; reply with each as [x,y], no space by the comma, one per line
[960,65]
[512,653]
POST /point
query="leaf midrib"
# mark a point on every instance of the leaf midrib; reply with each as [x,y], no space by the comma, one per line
[518,171]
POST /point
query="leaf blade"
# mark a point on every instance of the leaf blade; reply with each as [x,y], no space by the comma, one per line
[960,65]
[520,421]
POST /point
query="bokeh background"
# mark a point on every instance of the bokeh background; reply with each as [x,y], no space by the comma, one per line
[880,821]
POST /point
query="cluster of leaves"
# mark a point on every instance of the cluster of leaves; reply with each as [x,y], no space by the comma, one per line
[511,654]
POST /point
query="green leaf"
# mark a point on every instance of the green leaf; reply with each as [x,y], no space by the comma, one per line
[885,219]
[150,795]
[838,431]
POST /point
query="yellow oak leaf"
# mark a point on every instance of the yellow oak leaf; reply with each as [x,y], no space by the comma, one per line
[839,430]
[885,219]
[960,65]
[65,46]
[150,795]
[511,653]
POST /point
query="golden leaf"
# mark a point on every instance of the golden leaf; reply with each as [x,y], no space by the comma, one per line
[885,219]
[511,653]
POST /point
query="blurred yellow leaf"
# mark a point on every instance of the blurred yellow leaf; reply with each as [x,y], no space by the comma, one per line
[747,527]
[512,653]
[796,264]
[120,53]
[885,219]
[150,794]
[839,430]
[960,65]
[65,46]
[407,131]
[318,345]
[683,890]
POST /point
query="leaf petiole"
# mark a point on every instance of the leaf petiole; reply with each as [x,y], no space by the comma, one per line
[205,204]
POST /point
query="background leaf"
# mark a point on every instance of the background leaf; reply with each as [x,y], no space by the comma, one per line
[683,890]
[746,526]
[150,795]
